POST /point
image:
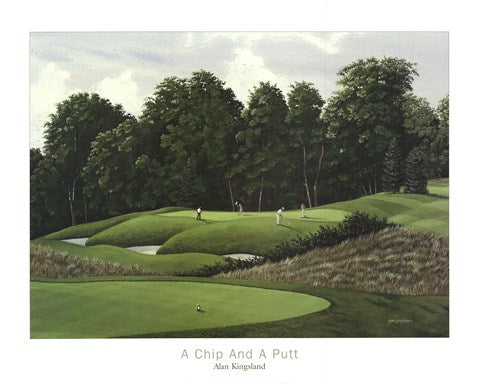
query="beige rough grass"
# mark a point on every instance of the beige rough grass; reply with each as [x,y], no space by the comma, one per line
[394,261]
[46,262]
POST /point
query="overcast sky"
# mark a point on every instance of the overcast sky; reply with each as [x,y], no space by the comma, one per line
[125,67]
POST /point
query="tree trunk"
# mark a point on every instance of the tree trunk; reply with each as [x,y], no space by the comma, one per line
[364,190]
[375,183]
[369,186]
[85,205]
[260,196]
[231,194]
[305,176]
[319,165]
[71,201]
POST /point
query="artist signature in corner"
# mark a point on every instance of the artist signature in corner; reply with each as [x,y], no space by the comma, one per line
[399,321]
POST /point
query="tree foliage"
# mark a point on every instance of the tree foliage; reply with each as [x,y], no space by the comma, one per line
[392,168]
[415,175]
[263,143]
[69,133]
[365,114]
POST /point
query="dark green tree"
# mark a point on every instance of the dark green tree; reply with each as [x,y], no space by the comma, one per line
[48,209]
[303,119]
[440,143]
[194,120]
[187,194]
[392,168]
[263,143]
[364,115]
[415,175]
[69,133]
[110,177]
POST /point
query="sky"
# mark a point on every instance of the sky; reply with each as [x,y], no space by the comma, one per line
[125,67]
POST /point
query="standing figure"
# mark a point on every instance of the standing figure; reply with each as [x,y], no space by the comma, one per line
[199,213]
[280,215]
[240,209]
[302,209]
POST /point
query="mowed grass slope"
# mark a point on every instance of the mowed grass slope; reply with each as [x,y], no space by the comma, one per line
[90,229]
[163,264]
[58,310]
[144,230]
[255,235]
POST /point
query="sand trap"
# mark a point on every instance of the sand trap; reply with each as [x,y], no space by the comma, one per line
[241,256]
[147,249]
[79,241]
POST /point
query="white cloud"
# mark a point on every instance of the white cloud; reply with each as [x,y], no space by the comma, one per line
[50,88]
[121,90]
[247,70]
[326,42]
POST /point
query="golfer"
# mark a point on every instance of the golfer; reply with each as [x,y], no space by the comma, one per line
[240,209]
[302,209]
[199,213]
[280,215]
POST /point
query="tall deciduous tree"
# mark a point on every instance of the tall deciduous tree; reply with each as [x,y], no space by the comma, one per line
[305,106]
[440,144]
[48,209]
[264,139]
[69,133]
[415,175]
[110,177]
[366,113]
[195,120]
[392,168]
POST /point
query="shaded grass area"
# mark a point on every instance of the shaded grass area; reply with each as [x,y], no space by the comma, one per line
[109,253]
[254,235]
[144,230]
[89,229]
[64,310]
[394,261]
[438,187]
[351,314]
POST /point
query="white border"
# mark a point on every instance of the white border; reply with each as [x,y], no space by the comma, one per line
[155,361]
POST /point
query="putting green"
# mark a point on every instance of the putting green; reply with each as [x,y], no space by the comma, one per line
[109,309]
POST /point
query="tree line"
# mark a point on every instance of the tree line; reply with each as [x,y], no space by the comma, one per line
[195,144]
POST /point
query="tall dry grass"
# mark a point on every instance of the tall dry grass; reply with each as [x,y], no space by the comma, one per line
[46,262]
[394,261]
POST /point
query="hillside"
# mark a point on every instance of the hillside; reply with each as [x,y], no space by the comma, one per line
[394,261]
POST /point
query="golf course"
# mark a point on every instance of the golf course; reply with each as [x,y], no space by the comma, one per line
[167,246]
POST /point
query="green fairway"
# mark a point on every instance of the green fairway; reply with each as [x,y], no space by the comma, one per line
[144,230]
[102,306]
[89,229]
[438,187]
[109,309]
[157,263]
[225,232]
[255,235]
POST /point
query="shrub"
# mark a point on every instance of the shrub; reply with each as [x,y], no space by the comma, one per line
[354,225]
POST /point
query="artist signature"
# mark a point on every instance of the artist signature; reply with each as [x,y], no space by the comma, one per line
[399,321]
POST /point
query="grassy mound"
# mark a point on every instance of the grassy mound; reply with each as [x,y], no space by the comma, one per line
[89,229]
[394,261]
[64,310]
[144,230]
[164,264]
[253,235]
